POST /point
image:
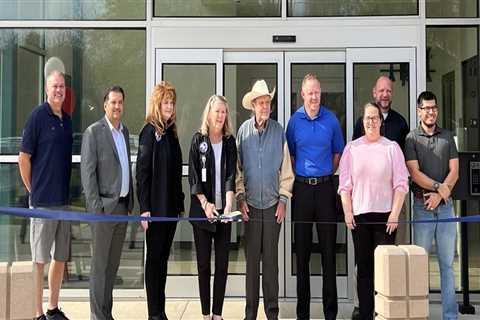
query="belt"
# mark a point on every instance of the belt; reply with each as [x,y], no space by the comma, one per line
[123,199]
[313,181]
[418,194]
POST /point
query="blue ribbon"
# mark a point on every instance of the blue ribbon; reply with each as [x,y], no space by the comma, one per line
[91,217]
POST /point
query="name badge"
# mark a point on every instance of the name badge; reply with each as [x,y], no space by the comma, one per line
[203,150]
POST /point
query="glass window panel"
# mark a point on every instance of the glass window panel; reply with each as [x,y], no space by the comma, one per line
[332,79]
[183,256]
[239,79]
[15,240]
[217,8]
[452,74]
[365,75]
[73,10]
[194,84]
[328,8]
[94,60]
[13,230]
[452,8]
[183,259]
[190,105]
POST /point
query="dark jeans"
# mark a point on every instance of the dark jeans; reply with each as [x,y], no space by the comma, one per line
[315,203]
[366,237]
[159,241]
[203,245]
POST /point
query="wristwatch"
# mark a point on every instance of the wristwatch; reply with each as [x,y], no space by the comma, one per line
[436,185]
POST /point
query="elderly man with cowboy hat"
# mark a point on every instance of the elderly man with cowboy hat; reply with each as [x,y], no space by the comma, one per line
[264,184]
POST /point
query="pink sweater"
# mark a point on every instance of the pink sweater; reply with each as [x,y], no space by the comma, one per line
[371,172]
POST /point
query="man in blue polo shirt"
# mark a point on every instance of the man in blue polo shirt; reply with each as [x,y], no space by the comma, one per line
[45,166]
[315,142]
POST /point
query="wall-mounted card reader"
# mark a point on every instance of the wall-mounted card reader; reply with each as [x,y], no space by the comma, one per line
[468,184]
[474,176]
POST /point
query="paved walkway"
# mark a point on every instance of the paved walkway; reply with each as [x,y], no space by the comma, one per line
[233,310]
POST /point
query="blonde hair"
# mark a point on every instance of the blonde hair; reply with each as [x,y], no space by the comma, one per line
[227,127]
[163,90]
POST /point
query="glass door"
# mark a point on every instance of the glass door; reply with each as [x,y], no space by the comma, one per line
[197,74]
[364,66]
[241,70]
[347,78]
[330,68]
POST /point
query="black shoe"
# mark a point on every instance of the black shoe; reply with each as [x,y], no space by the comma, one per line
[56,314]
[42,317]
[356,313]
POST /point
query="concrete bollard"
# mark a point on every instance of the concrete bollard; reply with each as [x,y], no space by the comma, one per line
[390,271]
[4,292]
[401,282]
[22,300]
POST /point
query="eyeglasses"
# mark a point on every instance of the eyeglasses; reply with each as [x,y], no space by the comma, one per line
[371,119]
[429,109]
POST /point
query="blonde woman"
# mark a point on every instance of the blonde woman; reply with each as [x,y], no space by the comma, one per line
[212,169]
[159,190]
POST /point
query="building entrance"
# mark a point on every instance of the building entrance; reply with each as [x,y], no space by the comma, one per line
[347,77]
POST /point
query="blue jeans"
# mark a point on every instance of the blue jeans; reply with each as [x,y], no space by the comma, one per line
[445,237]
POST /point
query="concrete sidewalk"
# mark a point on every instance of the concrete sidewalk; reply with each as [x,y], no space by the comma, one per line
[233,309]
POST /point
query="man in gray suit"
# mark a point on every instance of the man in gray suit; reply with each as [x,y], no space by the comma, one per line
[107,184]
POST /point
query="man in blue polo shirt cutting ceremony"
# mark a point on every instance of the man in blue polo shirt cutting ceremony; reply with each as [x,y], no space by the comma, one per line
[315,142]
[45,165]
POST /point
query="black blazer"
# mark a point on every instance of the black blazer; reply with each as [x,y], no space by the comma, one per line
[159,173]
[228,171]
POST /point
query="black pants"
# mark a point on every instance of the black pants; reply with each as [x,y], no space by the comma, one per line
[261,245]
[203,245]
[315,203]
[366,237]
[159,241]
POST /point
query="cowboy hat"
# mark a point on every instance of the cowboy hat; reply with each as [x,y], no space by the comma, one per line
[259,89]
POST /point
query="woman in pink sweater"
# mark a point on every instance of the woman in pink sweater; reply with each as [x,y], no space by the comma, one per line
[373,185]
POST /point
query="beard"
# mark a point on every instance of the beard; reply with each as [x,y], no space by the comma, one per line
[384,105]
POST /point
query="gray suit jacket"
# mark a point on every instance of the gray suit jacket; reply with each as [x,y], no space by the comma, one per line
[100,168]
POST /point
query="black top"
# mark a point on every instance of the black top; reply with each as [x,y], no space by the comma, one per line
[394,128]
[433,153]
[159,173]
[207,188]
[48,139]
